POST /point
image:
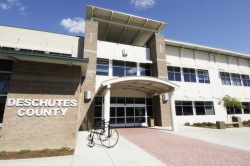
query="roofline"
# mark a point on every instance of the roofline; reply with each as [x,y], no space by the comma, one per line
[127,14]
[207,47]
[40,30]
[42,56]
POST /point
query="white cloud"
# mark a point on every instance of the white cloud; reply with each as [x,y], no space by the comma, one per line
[5,6]
[143,4]
[76,25]
[10,3]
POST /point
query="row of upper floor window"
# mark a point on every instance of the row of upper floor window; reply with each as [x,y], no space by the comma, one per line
[202,76]
[234,79]
[122,68]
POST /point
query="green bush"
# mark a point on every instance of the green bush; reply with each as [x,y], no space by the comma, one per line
[65,148]
[204,124]
[45,150]
[210,124]
[187,124]
[199,124]
[245,122]
[2,152]
[52,152]
[24,151]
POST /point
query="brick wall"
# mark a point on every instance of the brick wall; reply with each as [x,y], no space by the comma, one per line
[32,80]
[162,113]
[87,107]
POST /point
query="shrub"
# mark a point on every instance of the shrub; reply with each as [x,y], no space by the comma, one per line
[204,124]
[210,124]
[2,152]
[187,124]
[199,124]
[65,148]
[24,151]
[52,152]
[45,150]
[245,122]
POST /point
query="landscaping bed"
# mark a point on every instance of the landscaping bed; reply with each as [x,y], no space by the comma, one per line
[246,123]
[25,154]
[204,124]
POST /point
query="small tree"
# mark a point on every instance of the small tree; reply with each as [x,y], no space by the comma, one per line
[230,103]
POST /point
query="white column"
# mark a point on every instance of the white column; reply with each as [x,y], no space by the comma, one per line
[107,104]
[173,113]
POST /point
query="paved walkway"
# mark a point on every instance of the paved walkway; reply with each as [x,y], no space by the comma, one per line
[173,149]
[124,153]
[238,138]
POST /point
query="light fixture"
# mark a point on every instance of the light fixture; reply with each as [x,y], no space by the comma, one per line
[165,97]
[87,95]
[124,53]
[219,101]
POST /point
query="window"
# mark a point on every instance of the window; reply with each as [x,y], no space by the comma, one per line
[233,110]
[4,83]
[5,76]
[204,108]
[247,109]
[245,80]
[203,76]
[189,75]
[145,69]
[183,108]
[102,67]
[225,78]
[2,106]
[98,110]
[149,103]
[174,73]
[235,79]
[121,68]
[131,69]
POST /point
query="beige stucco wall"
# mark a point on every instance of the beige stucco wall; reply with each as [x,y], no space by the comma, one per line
[41,40]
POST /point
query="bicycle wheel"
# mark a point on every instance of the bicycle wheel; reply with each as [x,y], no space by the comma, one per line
[109,140]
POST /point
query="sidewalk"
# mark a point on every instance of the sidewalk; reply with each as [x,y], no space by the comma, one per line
[123,154]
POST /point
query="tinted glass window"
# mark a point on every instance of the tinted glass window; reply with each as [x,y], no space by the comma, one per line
[145,69]
[2,106]
[174,73]
[102,67]
[4,83]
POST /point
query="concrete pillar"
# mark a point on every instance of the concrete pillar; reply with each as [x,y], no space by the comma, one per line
[173,112]
[107,104]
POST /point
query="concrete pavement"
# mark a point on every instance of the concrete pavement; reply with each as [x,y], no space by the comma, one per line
[232,137]
[123,154]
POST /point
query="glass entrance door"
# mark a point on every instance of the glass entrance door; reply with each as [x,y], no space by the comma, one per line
[128,115]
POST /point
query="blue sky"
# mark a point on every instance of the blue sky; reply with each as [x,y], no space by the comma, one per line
[218,23]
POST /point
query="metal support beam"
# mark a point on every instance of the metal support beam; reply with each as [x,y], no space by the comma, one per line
[139,32]
[124,30]
[12,58]
[181,51]
[108,26]
[195,52]
[124,24]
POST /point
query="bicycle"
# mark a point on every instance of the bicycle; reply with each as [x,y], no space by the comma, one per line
[107,135]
